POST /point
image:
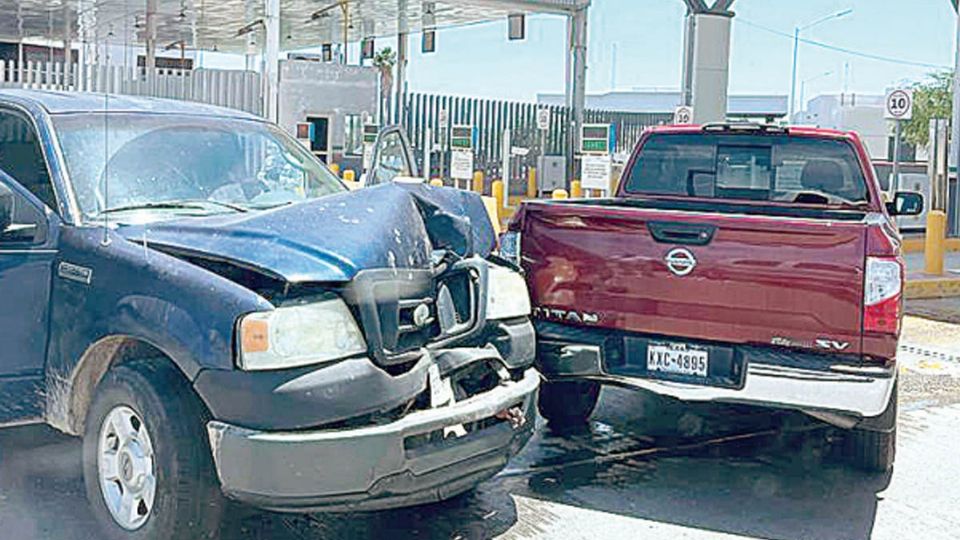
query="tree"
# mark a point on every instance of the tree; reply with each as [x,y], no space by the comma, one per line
[385,60]
[932,98]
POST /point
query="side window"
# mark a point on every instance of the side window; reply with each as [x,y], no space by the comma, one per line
[21,223]
[392,158]
[22,158]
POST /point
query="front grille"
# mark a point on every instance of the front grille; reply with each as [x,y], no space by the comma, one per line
[403,311]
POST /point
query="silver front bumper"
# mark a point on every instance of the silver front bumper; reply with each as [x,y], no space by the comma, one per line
[372,467]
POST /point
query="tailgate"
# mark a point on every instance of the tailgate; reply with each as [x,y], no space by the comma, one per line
[720,277]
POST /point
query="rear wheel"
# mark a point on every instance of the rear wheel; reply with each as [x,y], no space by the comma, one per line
[875,450]
[568,403]
[147,466]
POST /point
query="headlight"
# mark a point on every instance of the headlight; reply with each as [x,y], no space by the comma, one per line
[507,295]
[301,335]
[510,247]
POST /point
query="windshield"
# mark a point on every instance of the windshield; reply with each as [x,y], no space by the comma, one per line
[749,167]
[186,164]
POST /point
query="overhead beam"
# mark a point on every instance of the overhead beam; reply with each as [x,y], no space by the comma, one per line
[554,7]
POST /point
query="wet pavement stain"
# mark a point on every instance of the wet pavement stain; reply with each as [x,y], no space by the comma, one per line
[642,464]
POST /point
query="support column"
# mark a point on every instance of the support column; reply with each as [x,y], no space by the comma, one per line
[689,33]
[403,54]
[250,57]
[271,59]
[151,35]
[706,59]
[954,160]
[576,85]
[710,66]
[401,77]
[67,47]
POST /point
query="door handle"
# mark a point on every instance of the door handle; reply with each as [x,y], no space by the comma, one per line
[690,234]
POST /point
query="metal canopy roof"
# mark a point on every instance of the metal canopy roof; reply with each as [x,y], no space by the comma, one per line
[215,24]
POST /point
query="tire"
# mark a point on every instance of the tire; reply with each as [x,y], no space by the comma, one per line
[875,450]
[187,504]
[568,403]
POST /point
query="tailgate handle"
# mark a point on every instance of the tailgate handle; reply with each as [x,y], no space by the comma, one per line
[691,234]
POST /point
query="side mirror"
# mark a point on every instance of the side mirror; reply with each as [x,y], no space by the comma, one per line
[906,203]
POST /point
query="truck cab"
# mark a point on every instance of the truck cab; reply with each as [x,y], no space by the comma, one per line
[200,299]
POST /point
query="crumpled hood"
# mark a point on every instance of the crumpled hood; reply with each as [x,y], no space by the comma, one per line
[333,238]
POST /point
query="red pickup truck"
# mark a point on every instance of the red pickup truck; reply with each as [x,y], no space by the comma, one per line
[737,263]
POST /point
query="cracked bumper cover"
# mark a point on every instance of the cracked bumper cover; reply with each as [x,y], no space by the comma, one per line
[373,467]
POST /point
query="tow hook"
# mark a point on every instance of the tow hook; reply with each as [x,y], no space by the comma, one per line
[514,415]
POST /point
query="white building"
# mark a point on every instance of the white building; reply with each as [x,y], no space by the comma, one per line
[854,112]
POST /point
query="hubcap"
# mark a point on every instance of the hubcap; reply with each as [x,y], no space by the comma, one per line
[126,468]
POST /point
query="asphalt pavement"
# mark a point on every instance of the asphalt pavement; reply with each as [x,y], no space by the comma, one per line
[645,468]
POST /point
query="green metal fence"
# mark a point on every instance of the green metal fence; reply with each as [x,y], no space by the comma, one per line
[491,118]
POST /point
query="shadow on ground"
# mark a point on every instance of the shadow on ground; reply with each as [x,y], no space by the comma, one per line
[734,470]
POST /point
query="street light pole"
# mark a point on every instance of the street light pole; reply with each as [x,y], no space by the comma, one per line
[793,79]
[796,50]
[803,86]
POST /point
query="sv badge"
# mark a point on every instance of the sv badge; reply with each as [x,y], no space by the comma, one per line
[832,345]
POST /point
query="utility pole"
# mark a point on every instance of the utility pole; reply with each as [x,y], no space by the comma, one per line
[954,159]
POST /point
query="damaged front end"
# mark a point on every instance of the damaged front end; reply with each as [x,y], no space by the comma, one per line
[434,393]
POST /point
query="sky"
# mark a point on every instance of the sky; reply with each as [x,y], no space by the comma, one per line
[647,35]
[479,61]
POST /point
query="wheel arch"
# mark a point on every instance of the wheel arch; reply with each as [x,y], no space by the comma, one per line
[69,397]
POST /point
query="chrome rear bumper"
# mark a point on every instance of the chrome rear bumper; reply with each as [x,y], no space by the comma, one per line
[840,388]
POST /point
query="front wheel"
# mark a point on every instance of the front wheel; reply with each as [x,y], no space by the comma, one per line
[568,403]
[146,464]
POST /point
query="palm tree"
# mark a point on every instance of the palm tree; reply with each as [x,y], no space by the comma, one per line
[385,60]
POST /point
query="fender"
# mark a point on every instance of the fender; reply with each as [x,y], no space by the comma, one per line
[132,294]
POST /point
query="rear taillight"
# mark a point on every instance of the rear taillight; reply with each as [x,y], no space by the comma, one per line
[882,295]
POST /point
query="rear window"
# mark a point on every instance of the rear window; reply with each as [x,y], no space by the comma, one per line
[772,168]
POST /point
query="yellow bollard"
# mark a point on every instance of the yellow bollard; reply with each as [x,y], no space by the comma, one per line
[576,190]
[497,189]
[498,195]
[560,194]
[532,183]
[334,168]
[478,182]
[436,182]
[935,243]
[349,175]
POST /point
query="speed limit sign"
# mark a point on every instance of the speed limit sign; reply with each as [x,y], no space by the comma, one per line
[899,105]
[683,115]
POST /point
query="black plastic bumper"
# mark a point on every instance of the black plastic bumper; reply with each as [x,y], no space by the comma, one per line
[309,397]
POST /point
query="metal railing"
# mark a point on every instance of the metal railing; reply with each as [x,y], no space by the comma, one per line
[227,88]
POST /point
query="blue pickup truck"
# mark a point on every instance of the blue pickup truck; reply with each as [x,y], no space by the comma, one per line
[217,316]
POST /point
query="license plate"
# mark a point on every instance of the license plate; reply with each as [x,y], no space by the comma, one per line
[677,358]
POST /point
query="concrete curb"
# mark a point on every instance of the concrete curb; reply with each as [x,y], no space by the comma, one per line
[923,286]
[918,244]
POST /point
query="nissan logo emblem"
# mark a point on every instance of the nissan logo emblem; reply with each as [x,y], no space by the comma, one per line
[680,261]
